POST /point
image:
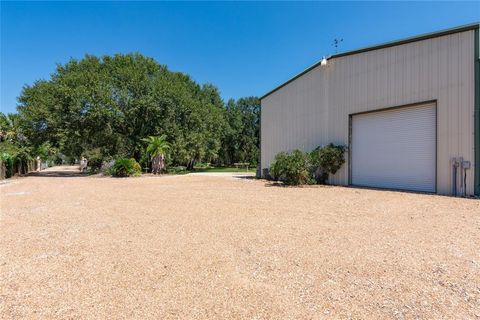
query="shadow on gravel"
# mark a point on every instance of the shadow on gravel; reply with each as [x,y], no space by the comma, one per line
[301,186]
[57,174]
[245,177]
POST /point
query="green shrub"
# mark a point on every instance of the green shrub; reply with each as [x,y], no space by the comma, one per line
[17,163]
[58,160]
[9,162]
[126,168]
[292,168]
[136,167]
[278,165]
[326,160]
[107,168]
[299,167]
[177,170]
[95,159]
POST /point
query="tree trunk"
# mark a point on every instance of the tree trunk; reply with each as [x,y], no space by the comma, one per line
[158,164]
[191,164]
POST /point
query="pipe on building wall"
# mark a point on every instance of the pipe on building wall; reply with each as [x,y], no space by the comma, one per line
[460,167]
[455,166]
[465,166]
[460,163]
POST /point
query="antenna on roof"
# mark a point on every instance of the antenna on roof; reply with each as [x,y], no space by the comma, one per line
[335,43]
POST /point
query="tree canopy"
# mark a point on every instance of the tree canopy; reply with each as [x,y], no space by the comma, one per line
[242,134]
[109,104]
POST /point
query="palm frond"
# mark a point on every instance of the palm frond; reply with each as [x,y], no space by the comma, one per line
[157,145]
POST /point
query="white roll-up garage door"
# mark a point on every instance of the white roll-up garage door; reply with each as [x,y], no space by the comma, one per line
[395,148]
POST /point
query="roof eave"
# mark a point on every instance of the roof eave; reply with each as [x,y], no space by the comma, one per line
[431,35]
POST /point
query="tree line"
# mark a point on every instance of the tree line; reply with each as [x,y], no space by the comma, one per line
[105,107]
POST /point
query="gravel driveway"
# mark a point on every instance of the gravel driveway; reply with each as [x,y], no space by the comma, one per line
[219,247]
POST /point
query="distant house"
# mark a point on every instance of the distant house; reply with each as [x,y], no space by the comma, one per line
[408,110]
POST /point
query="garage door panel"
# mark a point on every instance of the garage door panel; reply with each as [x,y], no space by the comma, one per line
[395,148]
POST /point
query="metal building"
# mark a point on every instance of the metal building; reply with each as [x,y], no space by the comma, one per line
[408,110]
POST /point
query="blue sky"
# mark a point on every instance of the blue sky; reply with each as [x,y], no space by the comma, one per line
[244,48]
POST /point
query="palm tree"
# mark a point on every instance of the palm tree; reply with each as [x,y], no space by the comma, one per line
[157,148]
[9,124]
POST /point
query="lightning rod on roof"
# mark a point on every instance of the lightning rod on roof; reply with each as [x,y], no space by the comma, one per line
[336,43]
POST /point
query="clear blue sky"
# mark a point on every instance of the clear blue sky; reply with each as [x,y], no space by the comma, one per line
[243,48]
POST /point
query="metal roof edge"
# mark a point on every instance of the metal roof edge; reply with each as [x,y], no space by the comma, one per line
[467,27]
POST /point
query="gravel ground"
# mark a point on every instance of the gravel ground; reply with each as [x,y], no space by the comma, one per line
[220,247]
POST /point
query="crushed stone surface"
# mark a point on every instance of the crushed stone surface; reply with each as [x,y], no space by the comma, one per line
[223,247]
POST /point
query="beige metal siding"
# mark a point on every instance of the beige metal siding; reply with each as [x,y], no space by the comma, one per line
[314,109]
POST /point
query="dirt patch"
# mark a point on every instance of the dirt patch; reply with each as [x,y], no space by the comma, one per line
[217,247]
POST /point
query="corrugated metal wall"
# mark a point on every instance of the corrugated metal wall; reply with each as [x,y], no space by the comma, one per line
[314,109]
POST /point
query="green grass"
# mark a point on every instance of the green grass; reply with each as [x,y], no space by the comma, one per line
[224,169]
[182,170]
